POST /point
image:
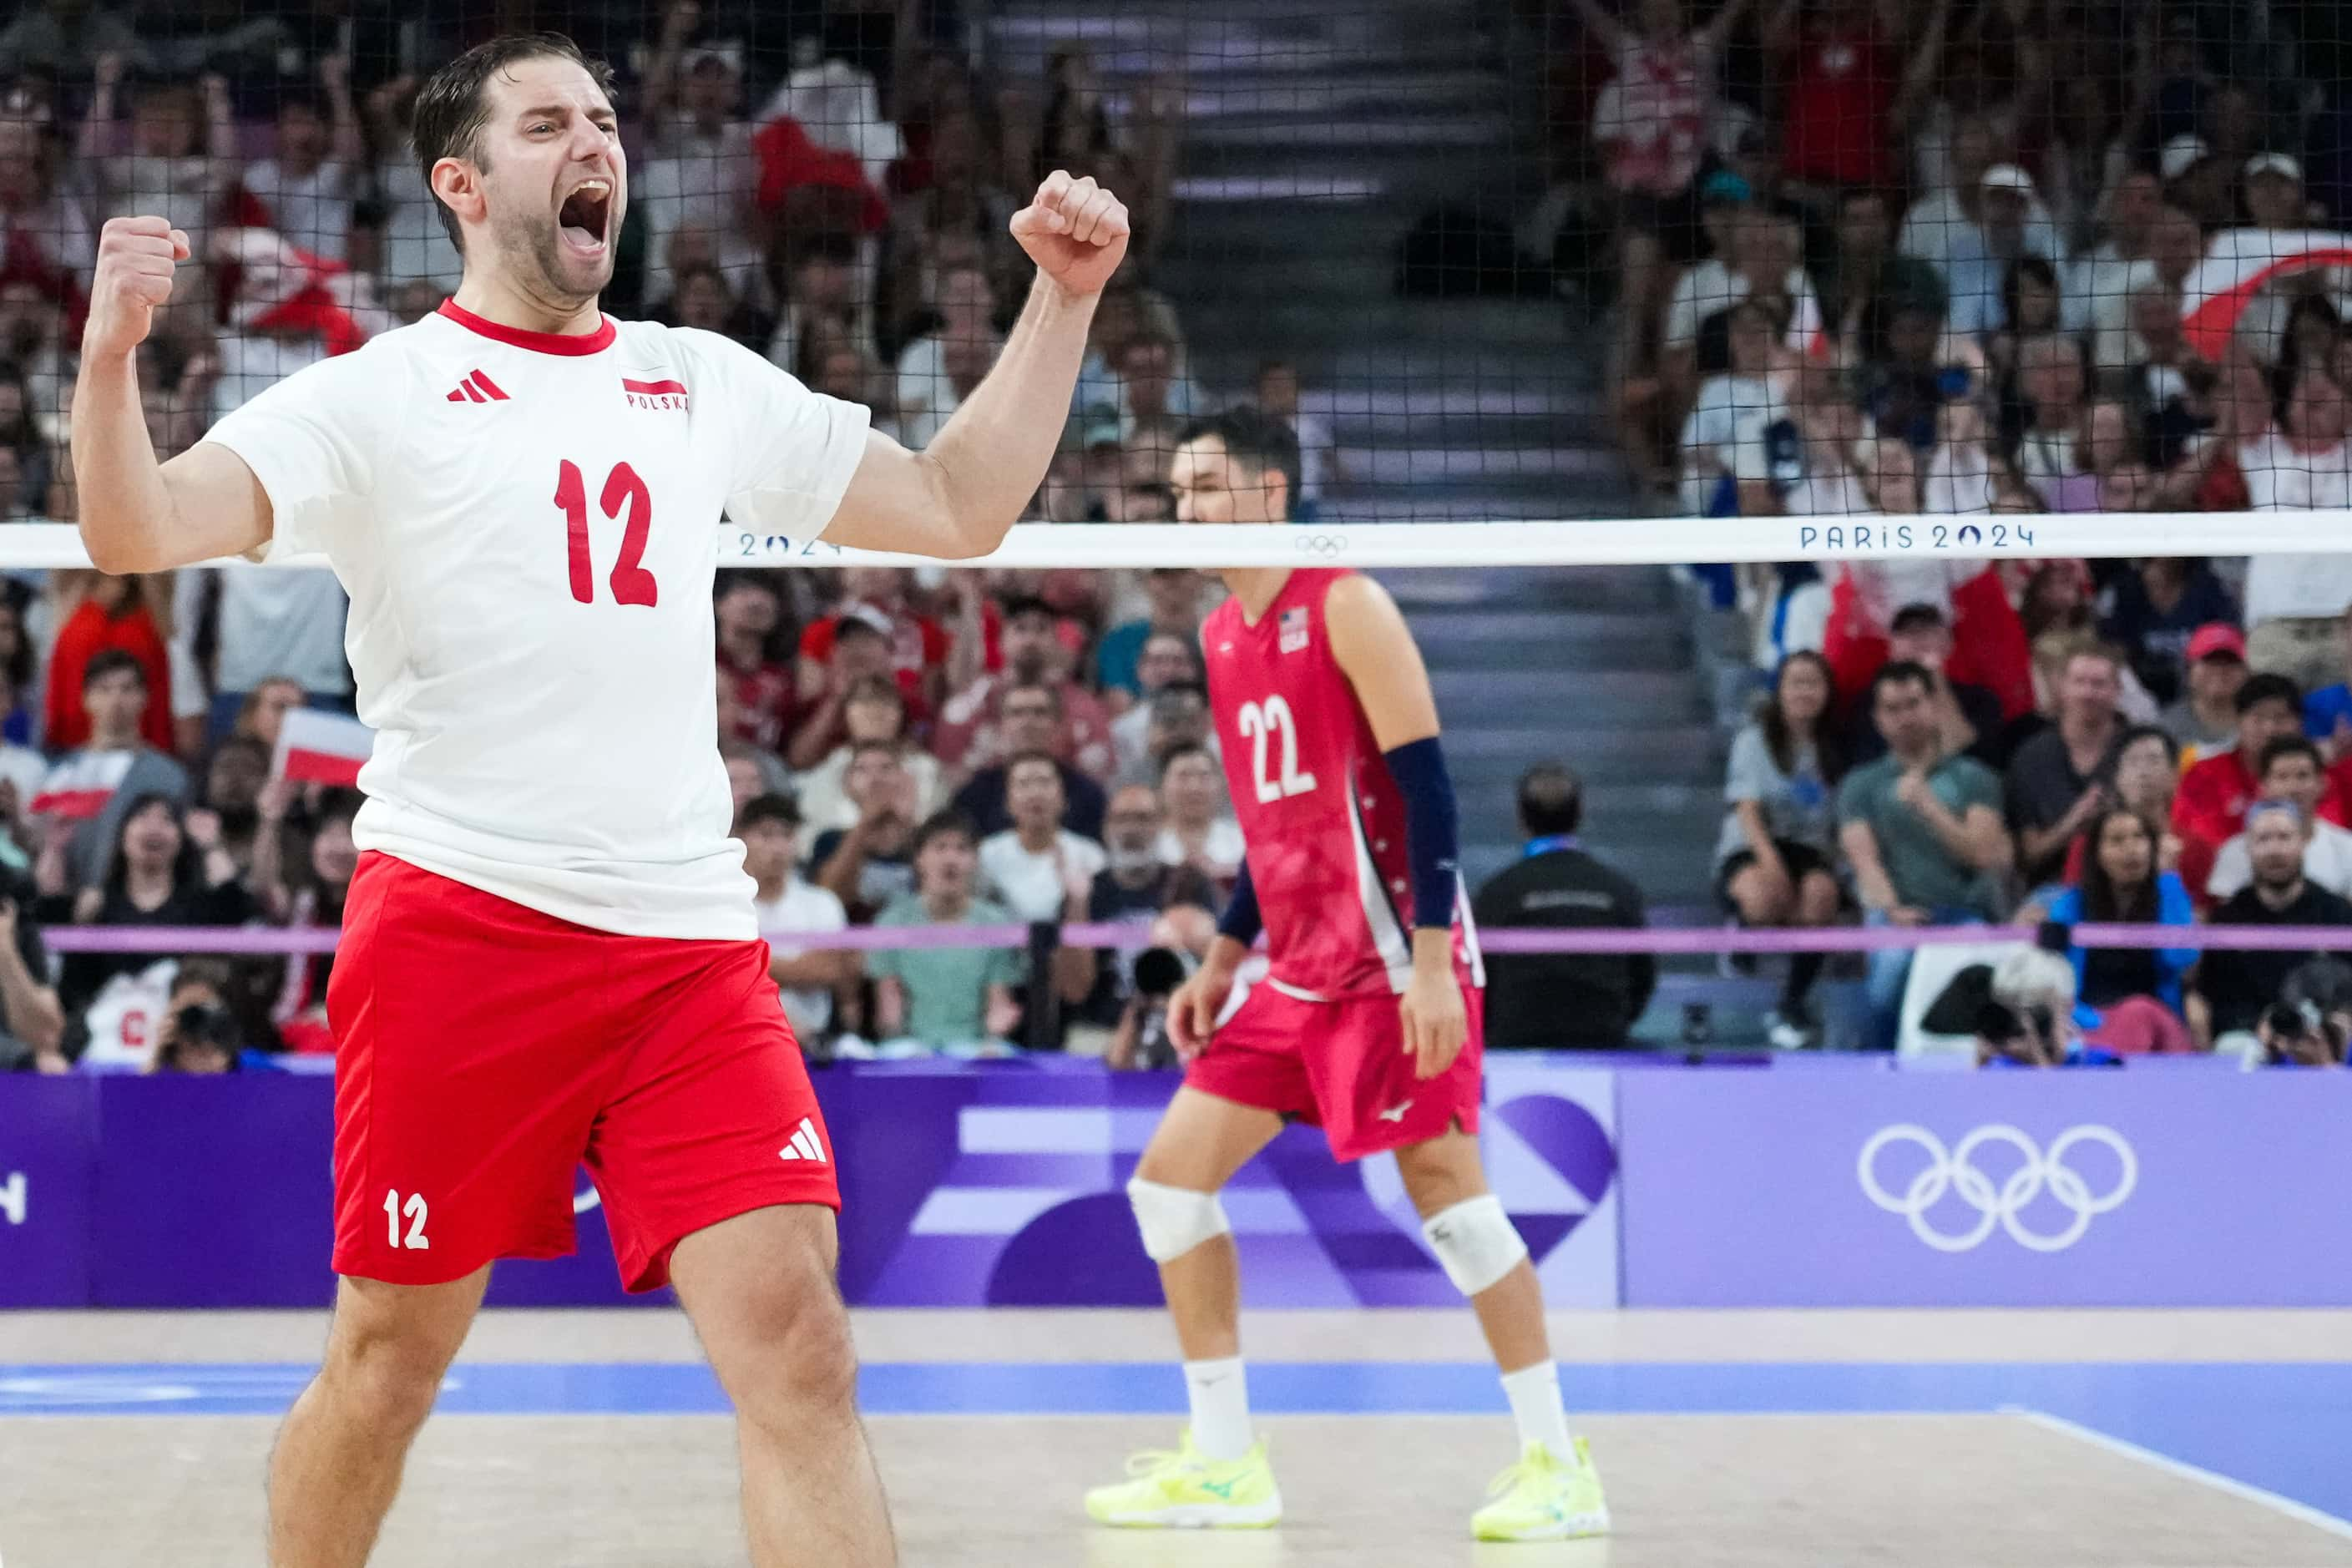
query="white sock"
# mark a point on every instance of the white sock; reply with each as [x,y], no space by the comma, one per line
[1219,1391]
[1534,1393]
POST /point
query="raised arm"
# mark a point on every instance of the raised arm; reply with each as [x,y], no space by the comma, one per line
[136,514]
[220,119]
[956,498]
[97,121]
[346,144]
[1717,32]
[1597,21]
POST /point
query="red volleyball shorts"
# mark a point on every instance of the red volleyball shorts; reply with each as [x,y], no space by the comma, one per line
[1341,1066]
[486,1051]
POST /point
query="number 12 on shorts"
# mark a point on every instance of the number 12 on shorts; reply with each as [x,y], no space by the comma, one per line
[414,1210]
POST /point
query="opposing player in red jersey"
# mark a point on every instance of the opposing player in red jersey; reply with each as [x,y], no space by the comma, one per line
[550,952]
[1367,1022]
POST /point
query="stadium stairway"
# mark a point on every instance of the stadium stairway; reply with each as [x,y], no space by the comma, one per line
[1317,133]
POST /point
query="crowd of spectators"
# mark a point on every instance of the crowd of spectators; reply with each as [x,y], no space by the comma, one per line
[1977,259]
[829,185]
[2227,804]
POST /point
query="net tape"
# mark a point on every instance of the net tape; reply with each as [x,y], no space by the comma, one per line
[1630,542]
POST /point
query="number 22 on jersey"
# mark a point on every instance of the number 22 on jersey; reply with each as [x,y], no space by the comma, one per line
[632,584]
[1261,723]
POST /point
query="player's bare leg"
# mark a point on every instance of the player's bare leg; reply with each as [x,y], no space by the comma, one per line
[760,1287]
[1553,1491]
[1218,1476]
[1440,1174]
[337,1465]
[1199,1144]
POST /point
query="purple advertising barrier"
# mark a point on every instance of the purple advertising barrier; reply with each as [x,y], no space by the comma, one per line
[1006,1187]
[48,1148]
[2010,1189]
[964,1185]
[214,1191]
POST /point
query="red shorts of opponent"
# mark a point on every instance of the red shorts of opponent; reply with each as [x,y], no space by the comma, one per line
[485,1050]
[1341,1066]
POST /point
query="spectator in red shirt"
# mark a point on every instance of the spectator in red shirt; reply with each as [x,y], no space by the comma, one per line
[918,646]
[2210,807]
[971,735]
[749,611]
[1847,112]
[103,612]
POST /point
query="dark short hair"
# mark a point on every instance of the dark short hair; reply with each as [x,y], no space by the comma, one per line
[774,807]
[2269,688]
[1255,438]
[1917,617]
[1019,759]
[941,823]
[2138,732]
[253,743]
[1175,755]
[2289,746]
[1551,800]
[1900,672]
[1021,606]
[453,104]
[111,662]
[851,627]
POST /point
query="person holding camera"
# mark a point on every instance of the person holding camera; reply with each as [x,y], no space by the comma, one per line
[2232,989]
[1135,884]
[2029,1020]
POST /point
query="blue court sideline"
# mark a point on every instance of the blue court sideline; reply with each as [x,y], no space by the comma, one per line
[2281,1427]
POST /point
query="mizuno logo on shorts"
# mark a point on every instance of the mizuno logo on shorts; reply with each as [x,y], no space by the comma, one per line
[806,1144]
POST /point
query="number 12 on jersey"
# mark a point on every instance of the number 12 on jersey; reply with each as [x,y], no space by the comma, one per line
[632,584]
[1260,723]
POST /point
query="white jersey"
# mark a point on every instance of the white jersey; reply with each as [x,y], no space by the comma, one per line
[528,526]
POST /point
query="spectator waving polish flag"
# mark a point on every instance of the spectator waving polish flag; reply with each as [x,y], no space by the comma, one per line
[322,748]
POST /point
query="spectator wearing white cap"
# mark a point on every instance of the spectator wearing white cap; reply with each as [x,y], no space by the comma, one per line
[2002,231]
[2273,191]
[2197,180]
[1941,224]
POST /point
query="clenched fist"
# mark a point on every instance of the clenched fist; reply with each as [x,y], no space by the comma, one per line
[135,258]
[1074,230]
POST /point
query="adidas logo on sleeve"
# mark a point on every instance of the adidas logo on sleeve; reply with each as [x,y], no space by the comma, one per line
[806,1144]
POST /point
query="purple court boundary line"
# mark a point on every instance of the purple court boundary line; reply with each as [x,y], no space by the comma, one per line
[1699,942]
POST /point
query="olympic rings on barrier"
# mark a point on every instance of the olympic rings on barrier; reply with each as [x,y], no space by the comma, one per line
[1327,545]
[1956,1172]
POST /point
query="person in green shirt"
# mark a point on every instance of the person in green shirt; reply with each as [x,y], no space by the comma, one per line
[955,999]
[1922,830]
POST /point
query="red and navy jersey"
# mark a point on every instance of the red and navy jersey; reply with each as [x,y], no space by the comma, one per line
[1323,821]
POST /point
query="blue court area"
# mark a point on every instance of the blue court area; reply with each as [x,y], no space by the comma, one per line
[2283,1427]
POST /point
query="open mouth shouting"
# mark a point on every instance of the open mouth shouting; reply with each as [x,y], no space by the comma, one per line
[583,218]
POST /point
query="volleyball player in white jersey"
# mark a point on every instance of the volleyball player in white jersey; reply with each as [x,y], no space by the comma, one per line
[549,954]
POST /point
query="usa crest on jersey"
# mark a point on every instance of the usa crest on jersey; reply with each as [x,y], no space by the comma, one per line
[1293,628]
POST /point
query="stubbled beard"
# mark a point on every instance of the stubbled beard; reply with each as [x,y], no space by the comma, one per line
[532,245]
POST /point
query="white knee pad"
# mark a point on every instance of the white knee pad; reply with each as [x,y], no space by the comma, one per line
[1175,1220]
[1476,1242]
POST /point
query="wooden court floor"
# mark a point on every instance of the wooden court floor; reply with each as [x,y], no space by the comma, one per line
[142,1484]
